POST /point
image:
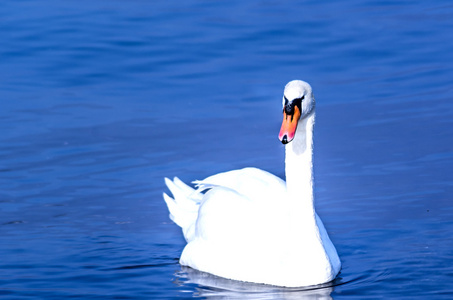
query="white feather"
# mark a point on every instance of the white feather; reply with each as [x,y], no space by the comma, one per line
[250,225]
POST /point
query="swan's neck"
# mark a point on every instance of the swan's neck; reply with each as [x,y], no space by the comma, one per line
[299,167]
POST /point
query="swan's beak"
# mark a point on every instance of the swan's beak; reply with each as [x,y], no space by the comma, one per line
[289,126]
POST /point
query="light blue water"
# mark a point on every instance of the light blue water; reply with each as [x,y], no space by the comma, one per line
[100,100]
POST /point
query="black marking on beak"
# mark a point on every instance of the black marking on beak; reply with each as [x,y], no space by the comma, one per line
[289,105]
[285,140]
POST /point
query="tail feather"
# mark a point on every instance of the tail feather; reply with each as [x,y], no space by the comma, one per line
[183,207]
[194,195]
[172,208]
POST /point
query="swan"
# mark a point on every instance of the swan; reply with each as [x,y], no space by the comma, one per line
[248,224]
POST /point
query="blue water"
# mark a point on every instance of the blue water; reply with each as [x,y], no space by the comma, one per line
[100,100]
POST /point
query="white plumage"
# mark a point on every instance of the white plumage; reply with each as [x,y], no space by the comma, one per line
[250,225]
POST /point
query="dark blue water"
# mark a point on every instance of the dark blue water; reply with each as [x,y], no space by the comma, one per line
[100,100]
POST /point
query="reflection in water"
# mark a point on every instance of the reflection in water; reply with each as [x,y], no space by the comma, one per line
[215,287]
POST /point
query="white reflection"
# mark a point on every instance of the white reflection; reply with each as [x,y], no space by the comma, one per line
[214,287]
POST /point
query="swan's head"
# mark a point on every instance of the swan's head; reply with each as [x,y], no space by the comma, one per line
[298,103]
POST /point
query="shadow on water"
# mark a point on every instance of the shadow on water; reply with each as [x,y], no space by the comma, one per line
[215,287]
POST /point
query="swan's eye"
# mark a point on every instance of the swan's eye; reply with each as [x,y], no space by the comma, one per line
[285,102]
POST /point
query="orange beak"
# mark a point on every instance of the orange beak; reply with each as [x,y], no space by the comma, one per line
[289,126]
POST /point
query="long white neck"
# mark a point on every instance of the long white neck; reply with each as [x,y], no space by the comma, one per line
[299,168]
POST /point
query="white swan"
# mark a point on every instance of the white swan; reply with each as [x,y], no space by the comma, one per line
[252,226]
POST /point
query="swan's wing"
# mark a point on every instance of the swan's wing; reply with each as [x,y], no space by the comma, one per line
[233,191]
[253,183]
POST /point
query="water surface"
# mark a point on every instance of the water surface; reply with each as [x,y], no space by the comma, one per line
[101,100]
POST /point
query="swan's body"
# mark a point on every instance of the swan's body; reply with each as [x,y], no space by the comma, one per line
[252,226]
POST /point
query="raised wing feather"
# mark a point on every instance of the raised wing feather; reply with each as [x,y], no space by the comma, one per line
[253,183]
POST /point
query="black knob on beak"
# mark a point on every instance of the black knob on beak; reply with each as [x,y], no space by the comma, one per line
[285,140]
